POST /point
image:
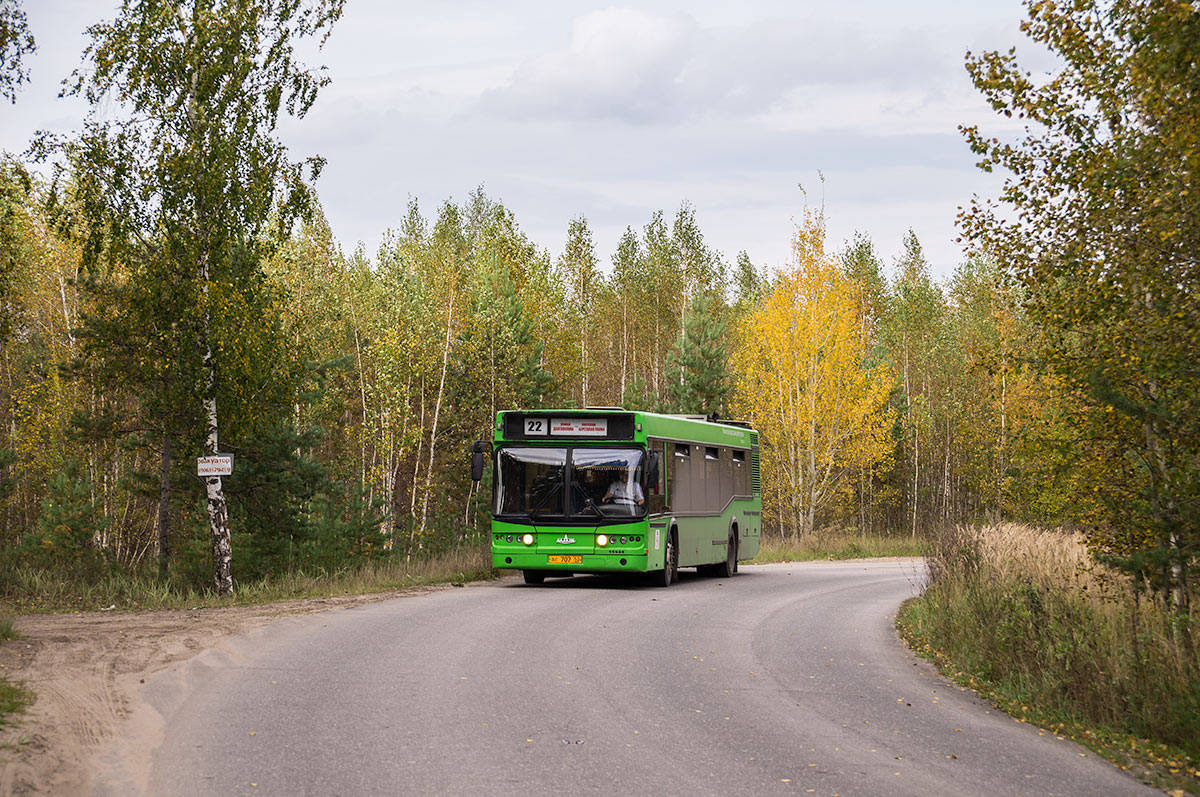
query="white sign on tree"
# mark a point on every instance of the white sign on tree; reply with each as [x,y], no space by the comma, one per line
[219,465]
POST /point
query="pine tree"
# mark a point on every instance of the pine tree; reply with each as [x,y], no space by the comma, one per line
[703,360]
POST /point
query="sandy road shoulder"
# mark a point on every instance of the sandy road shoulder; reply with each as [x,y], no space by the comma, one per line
[85,668]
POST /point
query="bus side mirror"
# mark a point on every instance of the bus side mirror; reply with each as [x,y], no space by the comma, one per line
[652,471]
[477,450]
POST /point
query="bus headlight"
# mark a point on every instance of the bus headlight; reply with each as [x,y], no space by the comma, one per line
[527,539]
[602,540]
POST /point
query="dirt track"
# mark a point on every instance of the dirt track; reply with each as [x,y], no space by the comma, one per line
[85,668]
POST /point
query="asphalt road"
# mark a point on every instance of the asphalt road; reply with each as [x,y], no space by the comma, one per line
[785,679]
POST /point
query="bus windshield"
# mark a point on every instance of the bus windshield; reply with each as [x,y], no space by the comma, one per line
[604,483]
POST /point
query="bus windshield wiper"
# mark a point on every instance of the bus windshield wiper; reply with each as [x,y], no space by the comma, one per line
[545,498]
[588,503]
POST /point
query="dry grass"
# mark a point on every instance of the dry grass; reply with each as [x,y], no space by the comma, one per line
[30,589]
[1027,616]
[836,545]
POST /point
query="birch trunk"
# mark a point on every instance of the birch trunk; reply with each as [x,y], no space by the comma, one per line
[218,510]
[437,410]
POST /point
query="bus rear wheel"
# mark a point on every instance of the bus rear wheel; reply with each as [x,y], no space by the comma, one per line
[533,576]
[670,571]
[728,568]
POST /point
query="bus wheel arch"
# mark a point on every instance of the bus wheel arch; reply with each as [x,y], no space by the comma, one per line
[735,540]
[670,572]
[729,567]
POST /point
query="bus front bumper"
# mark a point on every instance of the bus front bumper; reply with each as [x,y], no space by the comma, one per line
[609,562]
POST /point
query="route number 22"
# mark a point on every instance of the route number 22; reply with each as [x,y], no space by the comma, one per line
[535,426]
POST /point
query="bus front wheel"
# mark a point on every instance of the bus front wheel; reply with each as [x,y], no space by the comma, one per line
[533,576]
[670,571]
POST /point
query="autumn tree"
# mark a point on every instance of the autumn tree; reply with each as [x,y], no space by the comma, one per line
[749,283]
[1098,219]
[189,172]
[863,271]
[627,284]
[801,381]
[915,318]
[16,42]
[581,279]
[15,188]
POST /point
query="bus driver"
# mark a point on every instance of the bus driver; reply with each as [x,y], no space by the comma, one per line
[624,492]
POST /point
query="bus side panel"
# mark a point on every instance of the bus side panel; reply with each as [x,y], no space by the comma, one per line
[749,535]
[702,539]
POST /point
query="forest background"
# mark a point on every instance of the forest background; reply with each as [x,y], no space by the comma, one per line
[1048,380]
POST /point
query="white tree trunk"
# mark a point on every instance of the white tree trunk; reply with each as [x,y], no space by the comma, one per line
[218,510]
[437,410]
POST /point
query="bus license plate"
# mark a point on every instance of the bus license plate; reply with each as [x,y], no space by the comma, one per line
[566,560]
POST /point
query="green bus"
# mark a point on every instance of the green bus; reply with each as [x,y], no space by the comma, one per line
[605,490]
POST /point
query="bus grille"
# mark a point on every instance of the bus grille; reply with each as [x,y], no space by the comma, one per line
[755,473]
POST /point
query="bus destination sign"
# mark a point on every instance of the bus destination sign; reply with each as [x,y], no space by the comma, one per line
[567,427]
[579,427]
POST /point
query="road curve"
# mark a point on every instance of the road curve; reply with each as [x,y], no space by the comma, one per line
[787,679]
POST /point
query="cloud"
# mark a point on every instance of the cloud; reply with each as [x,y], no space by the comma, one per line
[619,63]
[642,69]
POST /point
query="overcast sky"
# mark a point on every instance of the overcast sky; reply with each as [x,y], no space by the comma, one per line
[560,108]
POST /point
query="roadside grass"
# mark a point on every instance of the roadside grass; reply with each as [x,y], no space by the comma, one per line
[13,698]
[30,590]
[1031,622]
[836,545]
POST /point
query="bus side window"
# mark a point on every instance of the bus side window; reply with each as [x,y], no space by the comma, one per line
[657,492]
[680,488]
[710,480]
[741,474]
[727,477]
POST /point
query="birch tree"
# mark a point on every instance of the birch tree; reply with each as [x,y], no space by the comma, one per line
[1098,219]
[801,381]
[16,42]
[578,272]
[186,166]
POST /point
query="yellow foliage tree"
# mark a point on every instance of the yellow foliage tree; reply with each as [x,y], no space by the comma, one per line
[802,382]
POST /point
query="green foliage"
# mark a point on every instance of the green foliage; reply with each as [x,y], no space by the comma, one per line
[171,230]
[750,285]
[639,396]
[14,190]
[1098,220]
[291,516]
[178,189]
[7,460]
[702,362]
[16,42]
[70,526]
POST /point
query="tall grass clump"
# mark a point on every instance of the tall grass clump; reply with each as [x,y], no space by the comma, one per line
[1027,615]
[14,698]
[832,545]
